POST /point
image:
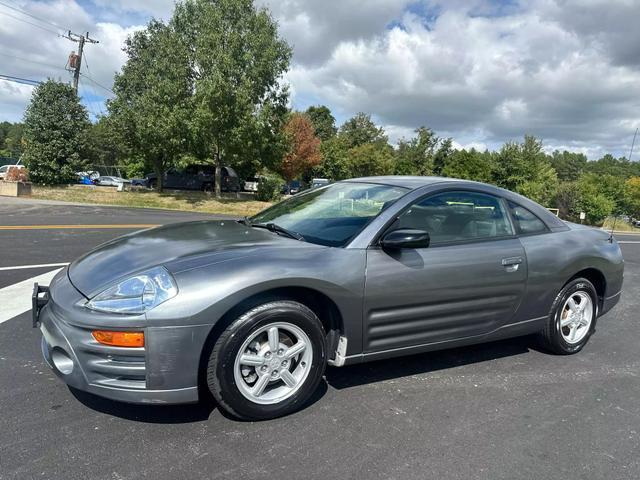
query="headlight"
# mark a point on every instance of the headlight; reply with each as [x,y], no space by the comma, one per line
[136,294]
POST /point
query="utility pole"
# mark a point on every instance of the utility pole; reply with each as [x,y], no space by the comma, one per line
[80,40]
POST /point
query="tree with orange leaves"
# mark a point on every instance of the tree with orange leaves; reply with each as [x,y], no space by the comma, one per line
[304,147]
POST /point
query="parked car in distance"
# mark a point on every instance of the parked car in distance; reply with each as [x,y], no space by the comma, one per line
[4,169]
[319,182]
[110,181]
[252,311]
[196,177]
[251,183]
[138,182]
[292,187]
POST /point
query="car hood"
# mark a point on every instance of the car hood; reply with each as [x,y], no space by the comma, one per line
[176,246]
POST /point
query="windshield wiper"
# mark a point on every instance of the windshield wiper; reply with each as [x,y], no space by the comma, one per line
[272,227]
[245,221]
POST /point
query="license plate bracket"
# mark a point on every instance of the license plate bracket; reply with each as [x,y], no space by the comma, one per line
[39,299]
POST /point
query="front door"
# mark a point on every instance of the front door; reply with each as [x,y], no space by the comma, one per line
[468,282]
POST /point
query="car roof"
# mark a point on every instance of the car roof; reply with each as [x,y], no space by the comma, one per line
[405,181]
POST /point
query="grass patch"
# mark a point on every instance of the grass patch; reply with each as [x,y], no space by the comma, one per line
[620,225]
[171,199]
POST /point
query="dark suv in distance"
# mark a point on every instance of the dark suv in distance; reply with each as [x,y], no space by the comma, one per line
[196,177]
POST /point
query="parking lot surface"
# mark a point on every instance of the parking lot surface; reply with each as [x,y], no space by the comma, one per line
[503,410]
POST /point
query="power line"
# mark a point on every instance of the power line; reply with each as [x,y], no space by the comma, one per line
[88,101]
[31,23]
[98,84]
[32,61]
[93,90]
[24,81]
[24,12]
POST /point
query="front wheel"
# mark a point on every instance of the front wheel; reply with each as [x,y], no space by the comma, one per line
[572,319]
[268,362]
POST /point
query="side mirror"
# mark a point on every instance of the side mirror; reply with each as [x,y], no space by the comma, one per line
[405,238]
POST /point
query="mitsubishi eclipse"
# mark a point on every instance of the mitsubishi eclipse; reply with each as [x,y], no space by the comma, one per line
[252,311]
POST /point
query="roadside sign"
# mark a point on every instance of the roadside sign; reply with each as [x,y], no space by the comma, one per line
[583,215]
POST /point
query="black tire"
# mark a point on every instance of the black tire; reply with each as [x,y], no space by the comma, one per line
[207,187]
[221,364]
[153,184]
[552,337]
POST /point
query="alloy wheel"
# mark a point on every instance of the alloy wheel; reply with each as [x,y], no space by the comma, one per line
[273,363]
[576,317]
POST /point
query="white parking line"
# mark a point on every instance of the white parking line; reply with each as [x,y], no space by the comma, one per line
[628,241]
[44,265]
[16,299]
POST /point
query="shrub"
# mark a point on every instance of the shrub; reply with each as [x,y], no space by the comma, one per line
[15,174]
[269,189]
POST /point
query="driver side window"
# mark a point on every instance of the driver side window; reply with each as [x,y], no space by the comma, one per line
[457,216]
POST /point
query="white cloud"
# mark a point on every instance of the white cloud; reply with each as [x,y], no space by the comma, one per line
[480,71]
[498,77]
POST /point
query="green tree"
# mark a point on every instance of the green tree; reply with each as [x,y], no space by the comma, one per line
[567,199]
[632,196]
[568,165]
[442,154]
[416,156]
[470,165]
[323,122]
[106,146]
[237,60]
[151,108]
[360,130]
[618,167]
[596,205]
[610,186]
[334,164]
[524,168]
[11,139]
[370,159]
[55,126]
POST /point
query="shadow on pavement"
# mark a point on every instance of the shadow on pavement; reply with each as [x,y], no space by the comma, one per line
[168,414]
[338,378]
[187,413]
[399,367]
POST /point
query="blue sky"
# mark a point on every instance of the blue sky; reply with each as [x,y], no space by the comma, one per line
[480,71]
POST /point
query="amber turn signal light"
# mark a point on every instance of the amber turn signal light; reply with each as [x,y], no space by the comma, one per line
[119,339]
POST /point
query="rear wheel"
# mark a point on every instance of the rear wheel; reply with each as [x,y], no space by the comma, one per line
[268,362]
[572,319]
[153,184]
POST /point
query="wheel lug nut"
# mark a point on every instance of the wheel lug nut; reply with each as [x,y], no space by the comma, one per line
[274,373]
[284,363]
[267,355]
[280,352]
[264,368]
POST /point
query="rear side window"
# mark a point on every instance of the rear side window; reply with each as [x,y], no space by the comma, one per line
[457,216]
[526,222]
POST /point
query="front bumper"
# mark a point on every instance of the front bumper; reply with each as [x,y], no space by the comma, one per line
[164,371]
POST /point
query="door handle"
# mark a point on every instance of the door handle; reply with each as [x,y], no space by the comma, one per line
[511,264]
[511,261]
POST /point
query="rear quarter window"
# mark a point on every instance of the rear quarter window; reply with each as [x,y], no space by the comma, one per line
[526,223]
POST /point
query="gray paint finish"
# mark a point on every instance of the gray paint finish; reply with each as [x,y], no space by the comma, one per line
[390,303]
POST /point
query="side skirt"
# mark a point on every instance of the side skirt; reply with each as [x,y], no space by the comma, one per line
[525,327]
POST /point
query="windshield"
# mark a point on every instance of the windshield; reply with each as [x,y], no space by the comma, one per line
[331,215]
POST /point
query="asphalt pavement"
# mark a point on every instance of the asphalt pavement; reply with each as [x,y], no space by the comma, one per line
[503,410]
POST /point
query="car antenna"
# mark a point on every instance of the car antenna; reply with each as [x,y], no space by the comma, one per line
[613,227]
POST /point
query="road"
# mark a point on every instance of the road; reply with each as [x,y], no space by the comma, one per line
[504,410]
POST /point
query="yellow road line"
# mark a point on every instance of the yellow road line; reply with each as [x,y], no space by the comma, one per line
[78,227]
